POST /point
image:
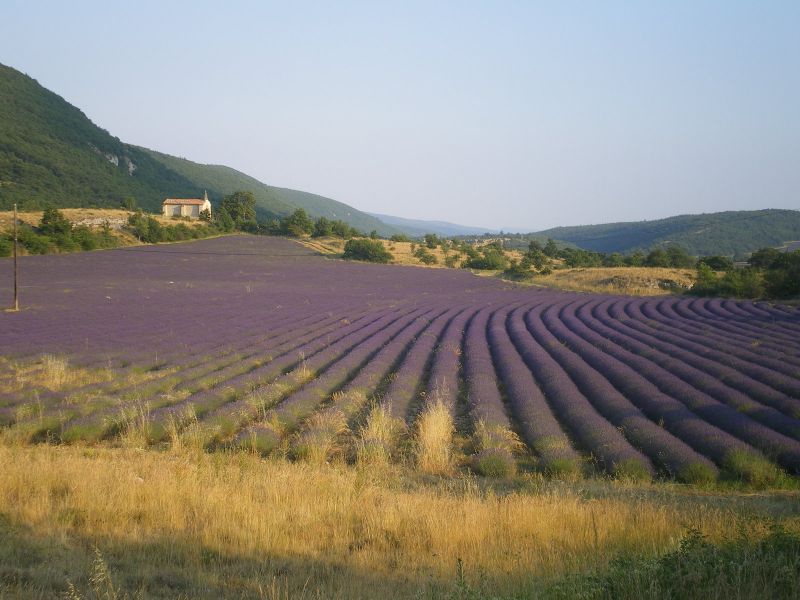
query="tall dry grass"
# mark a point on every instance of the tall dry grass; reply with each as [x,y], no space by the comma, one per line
[340,530]
[433,443]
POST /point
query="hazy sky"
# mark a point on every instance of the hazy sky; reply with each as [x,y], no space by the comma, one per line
[518,115]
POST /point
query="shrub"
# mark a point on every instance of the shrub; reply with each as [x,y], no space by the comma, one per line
[491,260]
[367,250]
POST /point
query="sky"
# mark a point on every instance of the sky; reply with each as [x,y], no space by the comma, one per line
[512,115]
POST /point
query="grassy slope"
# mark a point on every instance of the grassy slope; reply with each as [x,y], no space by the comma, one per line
[730,233]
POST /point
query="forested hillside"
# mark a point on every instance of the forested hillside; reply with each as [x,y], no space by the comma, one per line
[731,233]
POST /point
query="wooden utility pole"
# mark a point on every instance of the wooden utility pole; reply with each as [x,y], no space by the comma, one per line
[16,270]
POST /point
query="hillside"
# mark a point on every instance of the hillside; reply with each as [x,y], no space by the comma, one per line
[417,227]
[52,154]
[220,180]
[732,233]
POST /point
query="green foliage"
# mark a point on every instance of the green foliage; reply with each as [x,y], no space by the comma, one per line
[738,567]
[518,271]
[149,230]
[490,259]
[771,274]
[717,263]
[128,203]
[431,240]
[739,283]
[451,261]
[373,235]
[205,215]
[763,258]
[297,224]
[343,230]
[550,248]
[782,277]
[54,223]
[424,256]
[367,250]
[223,220]
[400,237]
[322,228]
[241,206]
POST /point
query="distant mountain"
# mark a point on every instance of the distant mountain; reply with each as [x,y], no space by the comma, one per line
[416,227]
[51,154]
[732,233]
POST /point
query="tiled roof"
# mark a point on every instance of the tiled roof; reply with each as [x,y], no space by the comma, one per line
[190,201]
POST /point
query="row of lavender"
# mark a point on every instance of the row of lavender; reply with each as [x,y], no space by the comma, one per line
[691,389]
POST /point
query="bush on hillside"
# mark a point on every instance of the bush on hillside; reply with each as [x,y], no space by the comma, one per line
[367,250]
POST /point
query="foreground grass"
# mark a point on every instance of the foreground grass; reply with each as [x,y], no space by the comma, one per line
[196,525]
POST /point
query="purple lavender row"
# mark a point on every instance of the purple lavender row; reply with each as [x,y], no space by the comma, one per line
[775,360]
[443,382]
[772,315]
[594,315]
[602,439]
[104,392]
[97,424]
[537,423]
[617,310]
[730,327]
[318,354]
[351,397]
[687,412]
[302,403]
[727,355]
[486,408]
[593,373]
[193,367]
[227,419]
[400,393]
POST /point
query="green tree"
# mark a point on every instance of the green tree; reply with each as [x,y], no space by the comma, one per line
[297,224]
[323,228]
[550,248]
[241,206]
[657,258]
[223,219]
[782,279]
[367,250]
[718,263]
[763,258]
[431,240]
[54,223]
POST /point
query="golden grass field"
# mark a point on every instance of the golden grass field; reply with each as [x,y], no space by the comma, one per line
[637,281]
[188,524]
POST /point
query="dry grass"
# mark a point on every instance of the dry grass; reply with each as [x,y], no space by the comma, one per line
[49,372]
[378,437]
[638,281]
[200,525]
[433,443]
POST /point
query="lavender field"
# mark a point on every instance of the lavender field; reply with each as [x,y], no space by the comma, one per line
[256,343]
